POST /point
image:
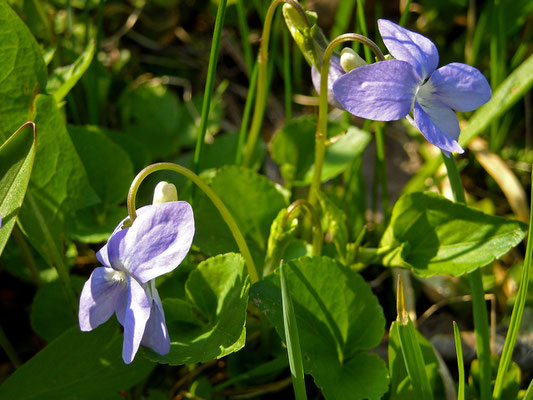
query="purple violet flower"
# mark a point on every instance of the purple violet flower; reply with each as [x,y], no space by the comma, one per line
[335,71]
[391,89]
[156,243]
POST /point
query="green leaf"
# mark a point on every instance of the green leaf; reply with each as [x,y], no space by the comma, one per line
[16,161]
[151,114]
[401,387]
[94,224]
[338,318]
[432,235]
[210,322]
[252,199]
[50,314]
[23,73]
[77,366]
[108,166]
[293,149]
[58,185]
[64,78]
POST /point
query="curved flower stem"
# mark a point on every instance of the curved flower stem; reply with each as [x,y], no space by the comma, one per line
[208,93]
[481,321]
[322,126]
[315,220]
[224,212]
[262,81]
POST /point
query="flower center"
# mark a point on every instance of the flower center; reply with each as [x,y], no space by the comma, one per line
[114,276]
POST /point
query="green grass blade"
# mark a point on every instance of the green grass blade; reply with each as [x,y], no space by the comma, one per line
[292,339]
[516,316]
[460,363]
[208,93]
[342,17]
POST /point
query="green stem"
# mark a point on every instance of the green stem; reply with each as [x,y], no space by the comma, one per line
[405,13]
[481,321]
[529,392]
[381,167]
[208,92]
[292,339]
[27,255]
[8,348]
[224,212]
[245,33]
[362,25]
[315,221]
[262,81]
[516,316]
[287,75]
[246,115]
[460,363]
[322,126]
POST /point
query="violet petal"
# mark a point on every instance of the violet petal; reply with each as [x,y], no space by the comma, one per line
[383,91]
[334,73]
[134,319]
[459,86]
[411,47]
[432,127]
[156,333]
[100,296]
[157,241]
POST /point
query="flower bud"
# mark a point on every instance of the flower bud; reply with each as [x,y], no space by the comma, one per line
[165,192]
[350,59]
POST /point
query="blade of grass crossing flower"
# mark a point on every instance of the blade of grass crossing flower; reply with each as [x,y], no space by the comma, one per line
[292,340]
[208,92]
[246,114]
[516,316]
[481,321]
[460,363]
[287,75]
[343,16]
[411,351]
[405,13]
[362,25]
[245,33]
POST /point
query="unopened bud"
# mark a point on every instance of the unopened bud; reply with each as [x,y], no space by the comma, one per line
[165,192]
[350,59]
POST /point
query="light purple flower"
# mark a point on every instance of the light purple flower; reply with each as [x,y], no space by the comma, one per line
[390,90]
[156,243]
[334,72]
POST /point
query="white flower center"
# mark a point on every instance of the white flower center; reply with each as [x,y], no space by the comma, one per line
[114,276]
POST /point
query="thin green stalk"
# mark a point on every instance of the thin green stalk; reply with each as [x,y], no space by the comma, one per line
[411,351]
[224,212]
[481,321]
[315,222]
[9,349]
[292,339]
[405,13]
[343,16]
[245,34]
[322,126]
[27,255]
[262,79]
[461,394]
[517,314]
[208,92]
[287,75]
[381,167]
[362,26]
[529,392]
[246,114]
